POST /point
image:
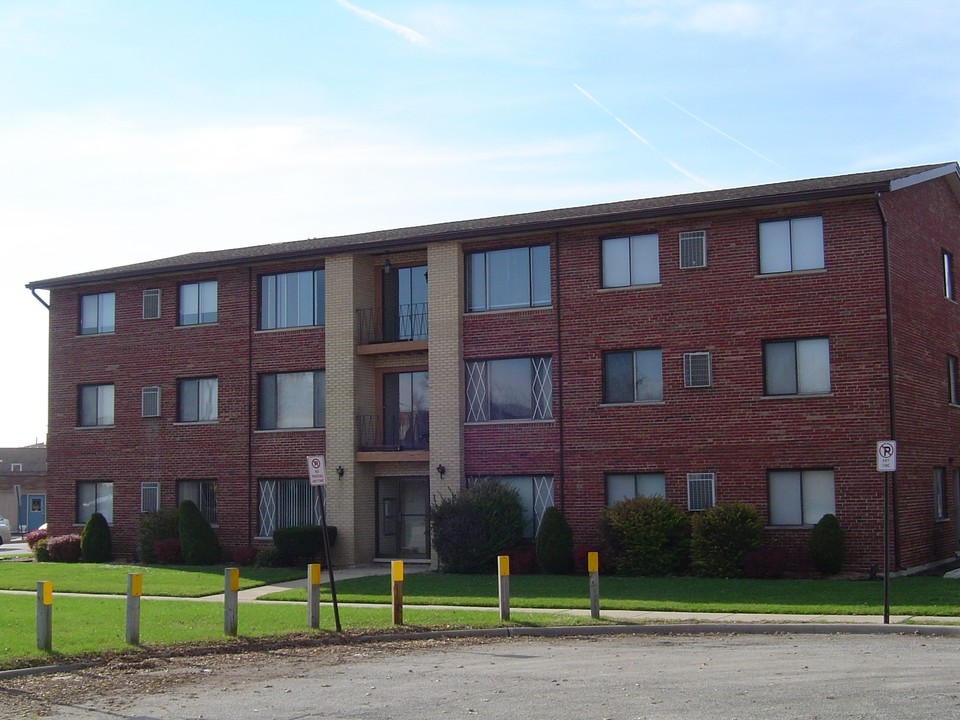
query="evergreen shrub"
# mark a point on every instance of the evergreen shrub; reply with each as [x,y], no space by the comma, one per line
[645,536]
[828,545]
[302,544]
[198,542]
[470,528]
[155,526]
[554,543]
[721,536]
[95,544]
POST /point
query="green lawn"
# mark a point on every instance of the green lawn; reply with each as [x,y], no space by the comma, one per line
[108,579]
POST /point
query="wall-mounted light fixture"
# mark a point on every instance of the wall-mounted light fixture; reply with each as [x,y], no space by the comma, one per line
[442,470]
[340,472]
[387,267]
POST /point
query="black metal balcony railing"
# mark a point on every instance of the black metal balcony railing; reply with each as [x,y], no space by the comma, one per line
[393,324]
[395,431]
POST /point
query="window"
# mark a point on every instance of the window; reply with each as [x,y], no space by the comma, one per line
[536,495]
[791,245]
[150,402]
[940,493]
[696,370]
[149,497]
[198,303]
[947,275]
[693,249]
[97,313]
[203,494]
[287,503]
[293,400]
[406,410]
[94,497]
[513,278]
[800,497]
[623,486]
[151,304]
[953,380]
[292,299]
[197,400]
[513,389]
[95,405]
[633,377]
[16,467]
[701,491]
[631,261]
[796,367]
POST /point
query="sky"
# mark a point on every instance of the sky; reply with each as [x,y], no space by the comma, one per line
[133,130]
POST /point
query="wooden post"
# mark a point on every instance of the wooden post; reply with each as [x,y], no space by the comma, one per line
[313,595]
[45,615]
[593,567]
[503,570]
[134,591]
[231,584]
[396,590]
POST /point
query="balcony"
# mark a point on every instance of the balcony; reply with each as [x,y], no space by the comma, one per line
[402,436]
[400,328]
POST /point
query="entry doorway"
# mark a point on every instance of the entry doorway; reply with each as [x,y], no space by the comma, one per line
[33,511]
[403,522]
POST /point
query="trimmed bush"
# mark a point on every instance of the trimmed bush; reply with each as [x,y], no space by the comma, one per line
[721,536]
[198,543]
[766,563]
[645,536]
[828,545]
[554,543]
[243,555]
[95,545]
[40,551]
[156,526]
[167,552]
[64,548]
[302,544]
[268,557]
[523,559]
[35,536]
[472,527]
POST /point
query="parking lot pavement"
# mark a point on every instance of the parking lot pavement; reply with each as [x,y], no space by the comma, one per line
[17,546]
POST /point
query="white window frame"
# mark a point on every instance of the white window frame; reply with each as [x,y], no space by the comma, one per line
[150,401]
[953,380]
[802,492]
[196,291]
[16,467]
[149,497]
[693,249]
[151,304]
[786,246]
[630,261]
[692,374]
[287,502]
[701,491]
[947,274]
[809,354]
[478,390]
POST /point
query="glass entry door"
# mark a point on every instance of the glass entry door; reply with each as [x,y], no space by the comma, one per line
[403,522]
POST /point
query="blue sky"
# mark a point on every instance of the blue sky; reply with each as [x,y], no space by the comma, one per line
[139,129]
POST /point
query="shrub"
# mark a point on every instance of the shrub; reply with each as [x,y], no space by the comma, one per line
[302,544]
[35,536]
[472,527]
[580,553]
[167,552]
[523,559]
[827,545]
[64,548]
[766,563]
[721,536]
[95,545]
[554,543]
[40,550]
[198,542]
[155,526]
[645,536]
[268,557]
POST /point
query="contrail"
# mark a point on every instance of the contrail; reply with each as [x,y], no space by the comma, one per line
[407,33]
[721,132]
[638,136]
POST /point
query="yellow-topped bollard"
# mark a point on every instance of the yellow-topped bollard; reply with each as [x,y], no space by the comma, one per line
[503,571]
[396,590]
[44,615]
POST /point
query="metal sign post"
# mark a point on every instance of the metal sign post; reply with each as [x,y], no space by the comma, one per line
[886,464]
[316,471]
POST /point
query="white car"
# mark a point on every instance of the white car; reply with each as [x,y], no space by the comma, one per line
[4,530]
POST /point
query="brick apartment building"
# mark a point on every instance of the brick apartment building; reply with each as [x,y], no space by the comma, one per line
[738,345]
